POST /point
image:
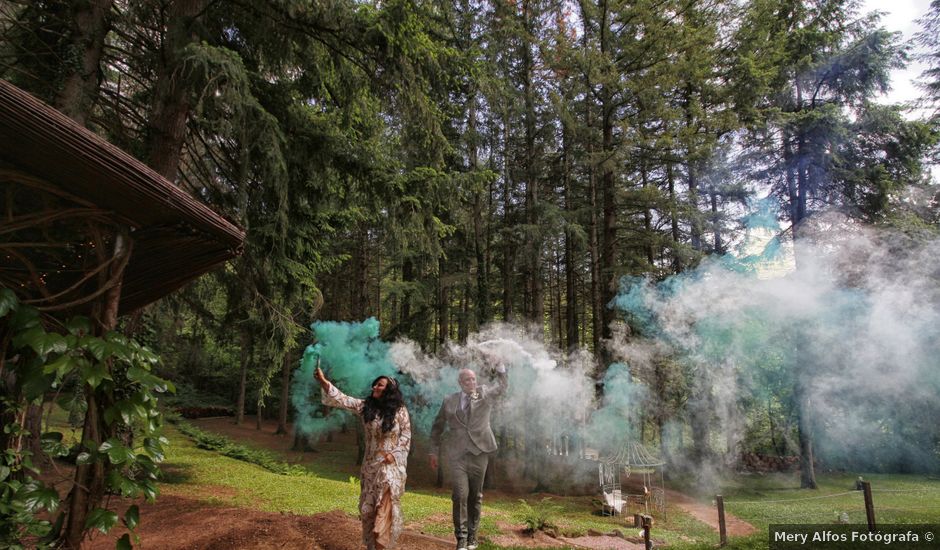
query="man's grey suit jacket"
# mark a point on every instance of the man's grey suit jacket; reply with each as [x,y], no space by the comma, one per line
[467,433]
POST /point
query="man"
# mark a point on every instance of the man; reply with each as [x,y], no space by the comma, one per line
[466,416]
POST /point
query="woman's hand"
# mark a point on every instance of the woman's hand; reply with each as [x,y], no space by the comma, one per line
[389,458]
[318,374]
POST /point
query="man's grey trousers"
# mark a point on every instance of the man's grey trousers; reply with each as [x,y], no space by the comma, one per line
[467,473]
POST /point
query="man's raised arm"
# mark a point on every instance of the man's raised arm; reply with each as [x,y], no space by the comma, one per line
[502,381]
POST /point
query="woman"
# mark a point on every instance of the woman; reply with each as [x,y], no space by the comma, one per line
[388,438]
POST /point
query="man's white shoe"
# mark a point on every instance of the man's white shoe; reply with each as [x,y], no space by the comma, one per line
[472,546]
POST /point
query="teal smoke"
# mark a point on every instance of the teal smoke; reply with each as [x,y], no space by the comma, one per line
[856,325]
[351,355]
[613,424]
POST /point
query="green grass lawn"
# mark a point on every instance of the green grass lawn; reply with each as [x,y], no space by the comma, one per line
[758,499]
[329,484]
[198,473]
[763,500]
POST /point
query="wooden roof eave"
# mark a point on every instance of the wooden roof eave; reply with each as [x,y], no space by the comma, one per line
[177,238]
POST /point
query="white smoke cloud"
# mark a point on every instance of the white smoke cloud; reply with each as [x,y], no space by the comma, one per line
[857,320]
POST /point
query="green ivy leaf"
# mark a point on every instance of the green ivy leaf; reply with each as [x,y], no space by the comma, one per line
[132,517]
[154,448]
[60,366]
[52,343]
[116,451]
[51,444]
[111,415]
[98,348]
[32,338]
[39,497]
[101,519]
[146,464]
[24,318]
[124,543]
[4,472]
[138,374]
[84,458]
[52,436]
[8,301]
[122,409]
[117,338]
[150,490]
[120,483]
[35,383]
[78,325]
[94,373]
[148,356]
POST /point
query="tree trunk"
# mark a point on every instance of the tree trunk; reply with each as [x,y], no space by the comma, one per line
[404,321]
[716,223]
[557,316]
[535,303]
[648,223]
[247,347]
[360,286]
[593,235]
[89,479]
[691,172]
[790,168]
[286,368]
[463,328]
[608,243]
[805,430]
[509,244]
[172,96]
[571,295]
[33,425]
[674,219]
[443,307]
[90,24]
[608,253]
[480,221]
[801,393]
[700,414]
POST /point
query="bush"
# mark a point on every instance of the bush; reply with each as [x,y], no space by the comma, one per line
[225,447]
[539,517]
[203,412]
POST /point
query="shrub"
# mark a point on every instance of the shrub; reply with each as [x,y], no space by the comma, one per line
[225,447]
[203,412]
[539,517]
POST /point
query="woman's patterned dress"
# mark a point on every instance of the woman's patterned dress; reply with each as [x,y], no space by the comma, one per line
[381,518]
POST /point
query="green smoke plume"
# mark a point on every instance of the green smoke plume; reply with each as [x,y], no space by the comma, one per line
[351,355]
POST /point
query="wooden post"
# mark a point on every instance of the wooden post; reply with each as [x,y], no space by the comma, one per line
[869,506]
[722,527]
[647,526]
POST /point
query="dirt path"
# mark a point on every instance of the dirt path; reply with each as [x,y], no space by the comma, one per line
[178,523]
[709,514]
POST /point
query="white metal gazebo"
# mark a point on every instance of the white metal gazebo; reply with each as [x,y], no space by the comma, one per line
[633,459]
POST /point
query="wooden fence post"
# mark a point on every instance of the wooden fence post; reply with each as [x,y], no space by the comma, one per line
[869,506]
[722,528]
[647,526]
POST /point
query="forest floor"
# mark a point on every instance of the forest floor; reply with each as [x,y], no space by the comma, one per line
[214,517]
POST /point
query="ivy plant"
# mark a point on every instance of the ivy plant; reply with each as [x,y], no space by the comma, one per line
[118,371]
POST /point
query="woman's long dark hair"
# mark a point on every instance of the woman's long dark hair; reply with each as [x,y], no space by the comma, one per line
[385,406]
